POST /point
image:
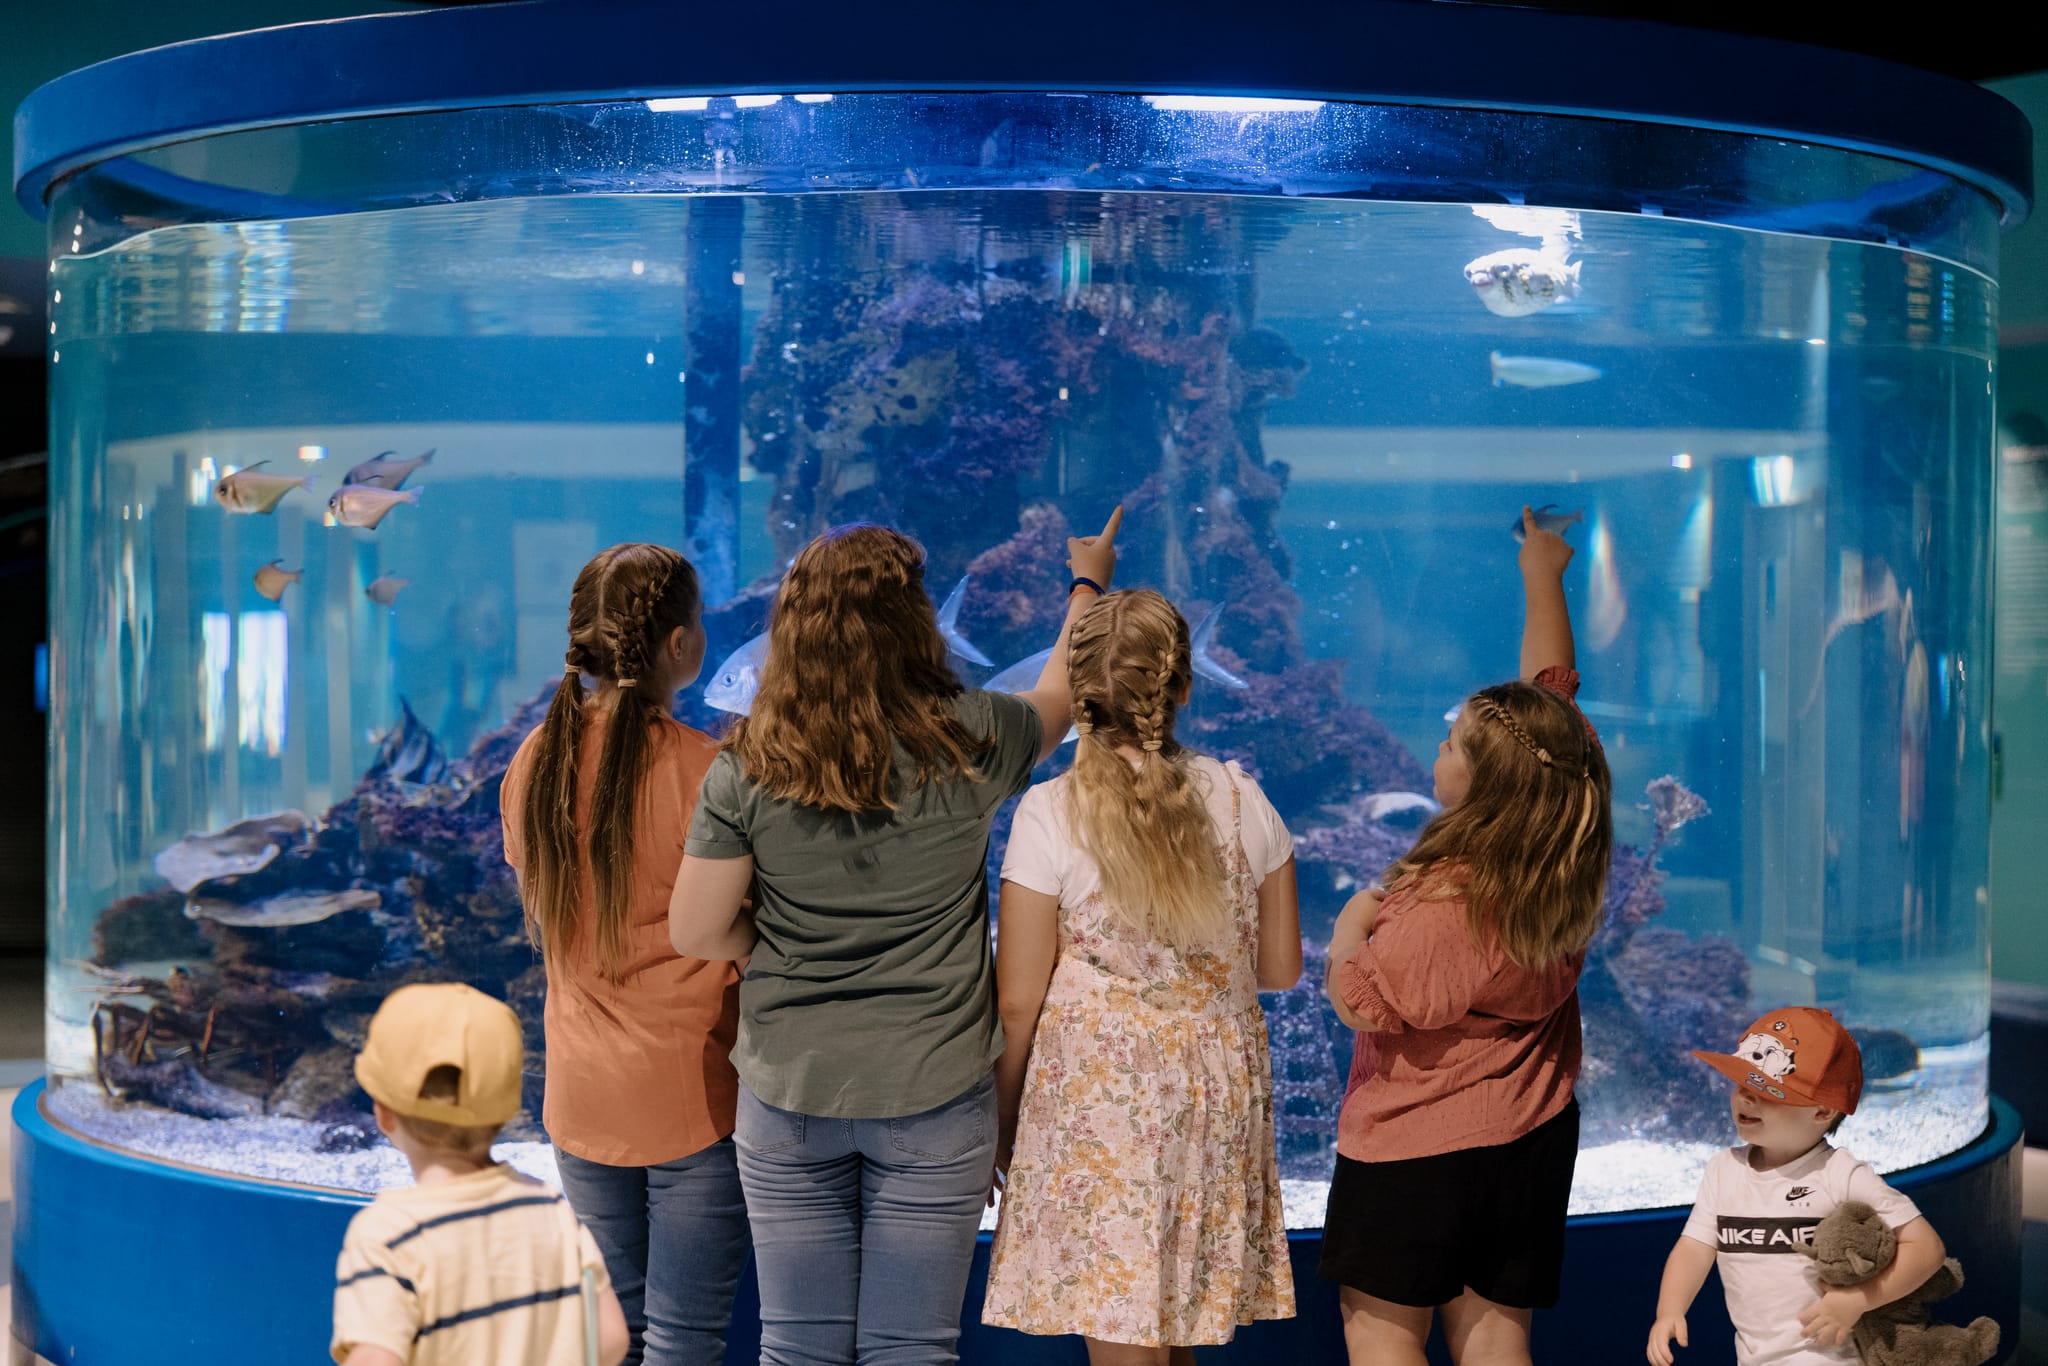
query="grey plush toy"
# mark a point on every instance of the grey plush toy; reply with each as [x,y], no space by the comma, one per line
[1849,1247]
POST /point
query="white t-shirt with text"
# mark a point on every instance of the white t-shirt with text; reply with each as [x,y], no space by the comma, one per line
[1756,1221]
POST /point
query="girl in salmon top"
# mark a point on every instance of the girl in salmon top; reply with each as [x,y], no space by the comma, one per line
[1459,1131]
[640,1083]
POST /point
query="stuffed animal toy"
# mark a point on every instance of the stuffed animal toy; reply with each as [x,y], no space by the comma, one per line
[1849,1247]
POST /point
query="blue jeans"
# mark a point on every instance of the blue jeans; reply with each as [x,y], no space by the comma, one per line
[864,1228]
[674,1239]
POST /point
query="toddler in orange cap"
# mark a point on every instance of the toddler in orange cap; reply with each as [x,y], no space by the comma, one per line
[1796,1074]
[475,1264]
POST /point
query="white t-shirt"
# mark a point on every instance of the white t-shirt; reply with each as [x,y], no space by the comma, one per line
[1043,856]
[1756,1221]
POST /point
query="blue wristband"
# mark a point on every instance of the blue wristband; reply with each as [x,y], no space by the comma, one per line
[1080,582]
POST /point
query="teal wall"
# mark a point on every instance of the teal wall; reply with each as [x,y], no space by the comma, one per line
[2019,811]
[40,42]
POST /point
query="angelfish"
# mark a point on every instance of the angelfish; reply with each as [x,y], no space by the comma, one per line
[271,580]
[1522,280]
[384,472]
[1547,520]
[250,492]
[1538,372]
[365,505]
[383,590]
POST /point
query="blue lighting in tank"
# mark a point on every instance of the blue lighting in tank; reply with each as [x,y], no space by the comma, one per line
[43,675]
[1771,480]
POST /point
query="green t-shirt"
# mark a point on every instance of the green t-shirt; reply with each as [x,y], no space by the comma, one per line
[871,993]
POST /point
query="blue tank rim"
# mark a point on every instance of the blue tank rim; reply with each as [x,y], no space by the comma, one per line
[1401,52]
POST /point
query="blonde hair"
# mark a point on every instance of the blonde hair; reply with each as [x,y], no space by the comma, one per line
[1528,847]
[1147,827]
[625,603]
[444,1083]
[855,667]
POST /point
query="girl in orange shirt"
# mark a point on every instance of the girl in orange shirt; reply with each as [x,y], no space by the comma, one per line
[640,1085]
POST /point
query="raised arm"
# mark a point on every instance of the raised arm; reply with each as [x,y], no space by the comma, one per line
[1546,622]
[1090,557]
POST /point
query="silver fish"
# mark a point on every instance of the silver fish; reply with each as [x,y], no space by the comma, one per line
[384,472]
[243,847]
[949,627]
[1023,677]
[1539,372]
[735,680]
[1522,280]
[383,590]
[249,492]
[1381,805]
[365,505]
[277,912]
[1199,644]
[271,580]
[1548,520]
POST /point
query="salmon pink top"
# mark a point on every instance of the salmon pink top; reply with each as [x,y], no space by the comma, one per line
[1471,1050]
[639,1071]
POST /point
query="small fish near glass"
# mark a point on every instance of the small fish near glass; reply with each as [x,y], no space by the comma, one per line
[1522,280]
[365,505]
[384,472]
[1539,372]
[249,492]
[272,579]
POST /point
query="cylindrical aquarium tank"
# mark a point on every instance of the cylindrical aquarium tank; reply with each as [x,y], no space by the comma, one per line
[341,403]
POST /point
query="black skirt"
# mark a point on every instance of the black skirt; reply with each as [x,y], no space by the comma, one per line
[1423,1230]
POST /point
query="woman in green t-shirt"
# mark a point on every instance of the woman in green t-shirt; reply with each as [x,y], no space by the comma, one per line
[840,847]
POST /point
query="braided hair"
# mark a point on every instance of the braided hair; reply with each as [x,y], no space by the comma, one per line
[1528,847]
[1146,825]
[625,604]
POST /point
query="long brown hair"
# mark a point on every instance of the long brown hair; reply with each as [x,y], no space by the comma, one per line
[1147,826]
[625,604]
[1528,847]
[855,666]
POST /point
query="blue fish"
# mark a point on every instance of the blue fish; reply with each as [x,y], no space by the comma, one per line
[1548,520]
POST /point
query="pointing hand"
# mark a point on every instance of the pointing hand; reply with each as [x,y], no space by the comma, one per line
[1544,553]
[1094,557]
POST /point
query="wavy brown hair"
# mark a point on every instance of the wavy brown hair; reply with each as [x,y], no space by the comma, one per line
[1146,826]
[1529,845]
[855,666]
[625,603]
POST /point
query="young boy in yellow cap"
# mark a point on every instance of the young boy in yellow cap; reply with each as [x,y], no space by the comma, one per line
[1797,1072]
[474,1264]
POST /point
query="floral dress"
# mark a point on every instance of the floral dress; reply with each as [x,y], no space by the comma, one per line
[1143,1199]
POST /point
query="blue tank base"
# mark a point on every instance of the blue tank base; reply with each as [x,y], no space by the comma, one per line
[119,1259]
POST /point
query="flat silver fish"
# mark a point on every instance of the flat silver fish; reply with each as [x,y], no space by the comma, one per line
[243,847]
[1548,520]
[383,590]
[1539,372]
[1199,644]
[384,472]
[949,627]
[246,491]
[1023,677]
[735,680]
[1522,280]
[1381,805]
[277,912]
[365,505]
[271,580]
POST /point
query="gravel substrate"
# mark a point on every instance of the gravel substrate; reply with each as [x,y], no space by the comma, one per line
[1932,1113]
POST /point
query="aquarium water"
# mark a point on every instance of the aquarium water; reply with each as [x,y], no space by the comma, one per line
[277,730]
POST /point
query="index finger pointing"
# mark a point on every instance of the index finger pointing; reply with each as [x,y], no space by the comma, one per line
[1116,519]
[1528,518]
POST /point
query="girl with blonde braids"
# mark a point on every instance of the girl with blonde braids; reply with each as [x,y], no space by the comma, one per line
[640,1084]
[1148,897]
[1459,1130]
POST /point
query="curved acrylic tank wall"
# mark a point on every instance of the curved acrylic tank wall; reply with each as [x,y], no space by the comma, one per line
[727,323]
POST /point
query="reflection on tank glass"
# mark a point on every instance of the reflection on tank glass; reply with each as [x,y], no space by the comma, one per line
[341,471]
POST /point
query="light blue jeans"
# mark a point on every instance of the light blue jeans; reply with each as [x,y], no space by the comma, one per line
[674,1239]
[864,1228]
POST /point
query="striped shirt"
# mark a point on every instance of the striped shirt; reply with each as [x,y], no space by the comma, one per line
[483,1270]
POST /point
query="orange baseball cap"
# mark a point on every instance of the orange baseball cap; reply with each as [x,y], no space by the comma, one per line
[444,1024]
[1800,1055]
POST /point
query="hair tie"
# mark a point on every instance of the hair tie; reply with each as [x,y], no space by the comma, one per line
[1084,727]
[572,672]
[1150,746]
[628,684]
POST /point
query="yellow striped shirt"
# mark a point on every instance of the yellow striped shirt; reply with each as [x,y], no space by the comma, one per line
[483,1270]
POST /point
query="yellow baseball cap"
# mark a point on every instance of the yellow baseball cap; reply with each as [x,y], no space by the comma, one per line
[444,1024]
